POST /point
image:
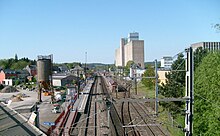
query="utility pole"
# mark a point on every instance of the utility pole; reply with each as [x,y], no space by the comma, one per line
[135,81]
[78,83]
[189,93]
[85,67]
[156,88]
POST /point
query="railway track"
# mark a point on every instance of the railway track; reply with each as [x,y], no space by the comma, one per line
[137,118]
[152,128]
[115,120]
[127,120]
[91,122]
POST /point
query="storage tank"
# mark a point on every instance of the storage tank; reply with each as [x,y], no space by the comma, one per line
[44,69]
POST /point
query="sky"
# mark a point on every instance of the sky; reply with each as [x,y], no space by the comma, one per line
[70,28]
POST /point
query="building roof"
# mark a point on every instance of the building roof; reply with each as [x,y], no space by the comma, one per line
[11,124]
[78,68]
[9,71]
[33,67]
[59,75]
[62,76]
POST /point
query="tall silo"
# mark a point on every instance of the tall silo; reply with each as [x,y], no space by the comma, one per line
[44,73]
[43,70]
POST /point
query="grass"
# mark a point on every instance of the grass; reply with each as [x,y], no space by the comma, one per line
[169,125]
[148,93]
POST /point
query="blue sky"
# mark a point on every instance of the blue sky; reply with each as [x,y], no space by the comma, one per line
[69,28]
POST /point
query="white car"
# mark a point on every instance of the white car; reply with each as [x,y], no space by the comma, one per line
[55,110]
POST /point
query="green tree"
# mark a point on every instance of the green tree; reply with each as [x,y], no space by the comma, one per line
[19,65]
[150,72]
[16,57]
[174,85]
[4,63]
[207,98]
[199,54]
[127,67]
[34,79]
[217,26]
[17,82]
[1,86]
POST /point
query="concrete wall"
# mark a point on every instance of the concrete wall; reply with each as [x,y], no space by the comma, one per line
[122,54]
[128,52]
[138,52]
[117,57]
[57,82]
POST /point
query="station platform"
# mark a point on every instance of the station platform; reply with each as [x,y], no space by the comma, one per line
[84,96]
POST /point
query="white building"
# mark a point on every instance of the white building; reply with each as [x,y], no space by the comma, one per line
[62,80]
[8,82]
[211,46]
[166,62]
[131,49]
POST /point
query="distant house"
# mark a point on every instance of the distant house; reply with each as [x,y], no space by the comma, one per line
[8,82]
[63,68]
[7,74]
[22,75]
[63,79]
[32,69]
[136,71]
[56,69]
[77,71]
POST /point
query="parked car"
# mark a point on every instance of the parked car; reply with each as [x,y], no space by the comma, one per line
[56,108]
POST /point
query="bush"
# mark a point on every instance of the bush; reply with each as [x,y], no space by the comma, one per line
[1,86]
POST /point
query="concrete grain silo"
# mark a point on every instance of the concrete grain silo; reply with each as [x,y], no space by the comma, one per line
[44,73]
[43,70]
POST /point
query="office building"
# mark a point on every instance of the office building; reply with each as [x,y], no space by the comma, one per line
[210,46]
[166,62]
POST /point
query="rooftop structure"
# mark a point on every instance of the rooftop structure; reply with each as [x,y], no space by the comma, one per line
[210,46]
[12,123]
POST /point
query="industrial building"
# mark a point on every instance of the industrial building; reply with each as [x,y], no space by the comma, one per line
[62,80]
[131,49]
[210,46]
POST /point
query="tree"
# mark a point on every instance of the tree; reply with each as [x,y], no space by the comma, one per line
[217,26]
[1,86]
[4,63]
[199,54]
[17,82]
[127,67]
[174,85]
[19,65]
[207,98]
[16,57]
[150,72]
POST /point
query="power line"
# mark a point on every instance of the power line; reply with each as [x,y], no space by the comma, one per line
[213,103]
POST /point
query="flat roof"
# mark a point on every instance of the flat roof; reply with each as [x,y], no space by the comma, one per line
[11,124]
